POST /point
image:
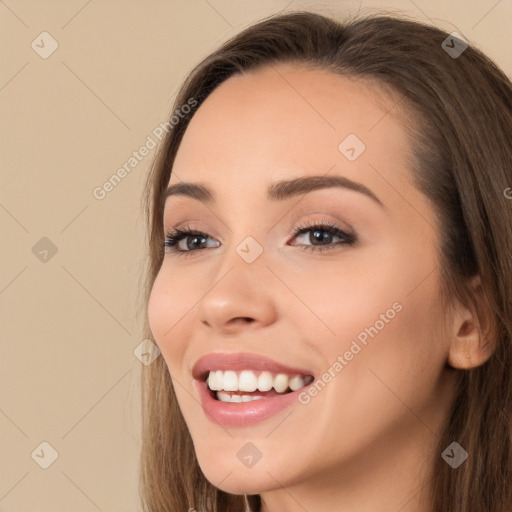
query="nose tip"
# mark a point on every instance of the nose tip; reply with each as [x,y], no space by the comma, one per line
[232,305]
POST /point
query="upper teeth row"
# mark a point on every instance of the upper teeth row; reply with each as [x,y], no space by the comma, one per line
[248,381]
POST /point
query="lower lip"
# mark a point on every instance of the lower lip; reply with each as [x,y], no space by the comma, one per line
[231,414]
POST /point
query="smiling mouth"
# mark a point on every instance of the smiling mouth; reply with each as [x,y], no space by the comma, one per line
[248,385]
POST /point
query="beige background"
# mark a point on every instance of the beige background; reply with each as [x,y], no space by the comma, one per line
[69,323]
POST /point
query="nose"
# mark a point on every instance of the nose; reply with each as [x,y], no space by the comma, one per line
[239,297]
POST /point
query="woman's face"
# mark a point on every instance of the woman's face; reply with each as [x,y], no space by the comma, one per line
[359,313]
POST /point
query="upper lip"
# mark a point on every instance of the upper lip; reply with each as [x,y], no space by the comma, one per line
[241,361]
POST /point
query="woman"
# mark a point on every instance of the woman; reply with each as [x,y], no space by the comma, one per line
[330,276]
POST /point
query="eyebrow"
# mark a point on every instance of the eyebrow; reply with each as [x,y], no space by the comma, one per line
[276,191]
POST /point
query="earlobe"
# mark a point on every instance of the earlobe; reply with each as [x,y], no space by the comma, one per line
[473,334]
[468,349]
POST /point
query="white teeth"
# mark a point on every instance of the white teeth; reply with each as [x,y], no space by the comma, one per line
[265,381]
[219,377]
[281,382]
[247,381]
[226,397]
[213,381]
[249,398]
[296,382]
[230,381]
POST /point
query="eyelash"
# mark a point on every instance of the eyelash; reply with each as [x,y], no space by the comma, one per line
[174,236]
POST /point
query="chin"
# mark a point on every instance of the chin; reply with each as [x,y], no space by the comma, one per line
[229,478]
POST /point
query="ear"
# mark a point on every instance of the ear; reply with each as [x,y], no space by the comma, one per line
[473,332]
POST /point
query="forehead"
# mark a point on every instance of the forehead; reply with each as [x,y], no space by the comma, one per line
[286,121]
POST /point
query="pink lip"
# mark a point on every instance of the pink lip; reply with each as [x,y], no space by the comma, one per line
[245,413]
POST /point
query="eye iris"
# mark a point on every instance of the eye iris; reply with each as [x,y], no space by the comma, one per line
[322,236]
[194,238]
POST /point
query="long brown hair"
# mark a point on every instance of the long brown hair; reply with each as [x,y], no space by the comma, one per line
[460,117]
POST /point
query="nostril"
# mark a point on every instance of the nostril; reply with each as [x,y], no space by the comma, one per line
[242,319]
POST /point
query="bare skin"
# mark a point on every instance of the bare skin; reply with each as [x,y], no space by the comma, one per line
[367,440]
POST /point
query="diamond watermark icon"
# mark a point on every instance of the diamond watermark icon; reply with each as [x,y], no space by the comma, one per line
[249,249]
[44,250]
[44,45]
[351,147]
[45,455]
[249,455]
[454,455]
[146,352]
[454,45]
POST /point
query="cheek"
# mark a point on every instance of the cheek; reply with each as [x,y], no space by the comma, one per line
[156,310]
[393,355]
[385,328]
[385,303]
[165,311]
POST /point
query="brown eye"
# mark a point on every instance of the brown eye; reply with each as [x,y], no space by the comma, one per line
[323,237]
[185,241]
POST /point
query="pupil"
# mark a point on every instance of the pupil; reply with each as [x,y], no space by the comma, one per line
[194,240]
[319,237]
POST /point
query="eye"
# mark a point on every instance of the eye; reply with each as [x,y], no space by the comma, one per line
[181,241]
[322,235]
